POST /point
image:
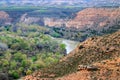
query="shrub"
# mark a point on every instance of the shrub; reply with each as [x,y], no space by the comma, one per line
[62,46]
[40,64]
[28,72]
[14,74]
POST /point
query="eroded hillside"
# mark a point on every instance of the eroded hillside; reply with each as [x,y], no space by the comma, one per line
[89,18]
[103,52]
[95,18]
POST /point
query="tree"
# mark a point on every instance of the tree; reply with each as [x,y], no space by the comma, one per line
[8,56]
[14,74]
[13,64]
[19,56]
[62,46]
[5,63]
[28,72]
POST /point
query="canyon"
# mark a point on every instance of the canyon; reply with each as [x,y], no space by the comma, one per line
[95,19]
[90,18]
[70,23]
[79,25]
[97,30]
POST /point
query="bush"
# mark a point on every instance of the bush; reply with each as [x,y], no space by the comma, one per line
[26,63]
[13,64]
[55,34]
[14,74]
[62,46]
[28,72]
[5,63]
[19,56]
[40,64]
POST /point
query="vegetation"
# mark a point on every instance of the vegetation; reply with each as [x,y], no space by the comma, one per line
[25,48]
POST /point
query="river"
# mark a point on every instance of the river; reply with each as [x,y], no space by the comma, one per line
[70,45]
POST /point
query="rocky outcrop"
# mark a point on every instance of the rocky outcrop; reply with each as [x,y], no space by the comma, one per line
[88,67]
[4,18]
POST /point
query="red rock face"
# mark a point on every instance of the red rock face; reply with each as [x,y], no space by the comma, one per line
[95,18]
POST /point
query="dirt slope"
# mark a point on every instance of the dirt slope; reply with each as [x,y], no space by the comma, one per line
[108,70]
[94,50]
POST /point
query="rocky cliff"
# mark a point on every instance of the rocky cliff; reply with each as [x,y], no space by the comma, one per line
[95,18]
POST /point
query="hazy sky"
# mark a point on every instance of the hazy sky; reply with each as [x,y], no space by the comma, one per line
[89,2]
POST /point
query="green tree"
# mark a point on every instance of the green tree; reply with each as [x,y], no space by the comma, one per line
[62,46]
[14,74]
[5,63]
[13,64]
[19,56]
[8,56]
